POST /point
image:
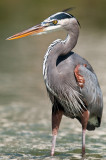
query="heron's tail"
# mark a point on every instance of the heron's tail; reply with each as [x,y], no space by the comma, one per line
[93,122]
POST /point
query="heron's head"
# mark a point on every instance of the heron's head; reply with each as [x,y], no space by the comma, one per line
[60,20]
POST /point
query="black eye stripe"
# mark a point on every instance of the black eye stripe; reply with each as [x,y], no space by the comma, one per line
[61,16]
[57,16]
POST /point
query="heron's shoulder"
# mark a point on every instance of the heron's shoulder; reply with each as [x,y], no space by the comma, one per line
[82,61]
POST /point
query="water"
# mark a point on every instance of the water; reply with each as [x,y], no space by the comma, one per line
[25,109]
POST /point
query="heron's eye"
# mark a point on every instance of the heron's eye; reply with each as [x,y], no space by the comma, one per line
[55,22]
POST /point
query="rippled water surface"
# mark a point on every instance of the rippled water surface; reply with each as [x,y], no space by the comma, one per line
[25,110]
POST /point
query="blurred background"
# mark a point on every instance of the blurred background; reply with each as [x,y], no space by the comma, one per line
[25,109]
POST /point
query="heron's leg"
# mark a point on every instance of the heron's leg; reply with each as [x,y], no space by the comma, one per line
[56,119]
[84,121]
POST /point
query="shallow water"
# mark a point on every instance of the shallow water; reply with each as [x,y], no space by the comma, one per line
[25,110]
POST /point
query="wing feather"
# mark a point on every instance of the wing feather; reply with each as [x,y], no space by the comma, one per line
[91,91]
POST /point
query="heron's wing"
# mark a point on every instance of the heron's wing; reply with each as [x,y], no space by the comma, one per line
[91,91]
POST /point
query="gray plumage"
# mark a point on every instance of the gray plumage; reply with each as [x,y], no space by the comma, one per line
[71,82]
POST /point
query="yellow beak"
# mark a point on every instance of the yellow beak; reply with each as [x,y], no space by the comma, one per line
[33,30]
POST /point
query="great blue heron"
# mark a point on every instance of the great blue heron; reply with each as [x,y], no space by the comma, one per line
[70,80]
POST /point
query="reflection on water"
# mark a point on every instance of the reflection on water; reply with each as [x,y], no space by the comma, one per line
[25,122]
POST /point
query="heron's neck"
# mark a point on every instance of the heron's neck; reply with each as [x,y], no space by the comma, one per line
[56,49]
[71,40]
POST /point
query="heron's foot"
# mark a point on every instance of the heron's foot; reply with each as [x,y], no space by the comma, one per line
[53,145]
[83,156]
[52,153]
[83,151]
[79,77]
